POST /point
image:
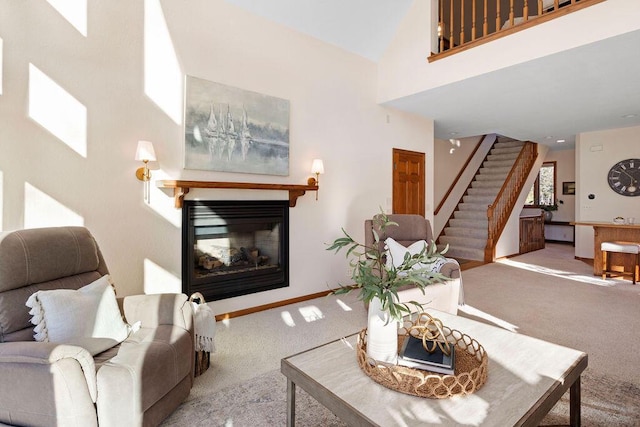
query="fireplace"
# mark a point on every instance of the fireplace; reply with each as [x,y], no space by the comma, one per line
[233,248]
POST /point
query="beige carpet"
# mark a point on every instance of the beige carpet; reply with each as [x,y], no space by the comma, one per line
[546,294]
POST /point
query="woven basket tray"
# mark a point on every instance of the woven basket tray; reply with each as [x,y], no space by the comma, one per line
[470,369]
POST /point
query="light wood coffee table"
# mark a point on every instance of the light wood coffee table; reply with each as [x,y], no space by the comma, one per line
[527,376]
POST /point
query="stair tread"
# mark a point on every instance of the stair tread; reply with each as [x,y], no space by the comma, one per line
[466,231]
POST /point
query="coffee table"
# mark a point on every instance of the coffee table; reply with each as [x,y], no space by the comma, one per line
[527,376]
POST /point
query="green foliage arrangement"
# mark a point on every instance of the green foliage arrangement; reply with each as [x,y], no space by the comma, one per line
[374,278]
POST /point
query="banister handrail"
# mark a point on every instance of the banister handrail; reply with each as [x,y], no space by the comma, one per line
[499,211]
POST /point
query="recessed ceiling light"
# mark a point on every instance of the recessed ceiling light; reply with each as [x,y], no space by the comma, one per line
[629,116]
[453,133]
[548,137]
[560,141]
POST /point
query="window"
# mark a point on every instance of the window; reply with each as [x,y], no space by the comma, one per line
[543,192]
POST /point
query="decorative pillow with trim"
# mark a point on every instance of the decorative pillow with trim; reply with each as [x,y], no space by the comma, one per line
[77,316]
[396,252]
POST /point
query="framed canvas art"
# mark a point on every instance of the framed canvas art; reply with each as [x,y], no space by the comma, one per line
[569,187]
[234,130]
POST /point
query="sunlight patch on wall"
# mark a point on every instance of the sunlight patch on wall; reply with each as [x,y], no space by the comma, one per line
[74,11]
[162,75]
[42,210]
[163,203]
[157,280]
[57,111]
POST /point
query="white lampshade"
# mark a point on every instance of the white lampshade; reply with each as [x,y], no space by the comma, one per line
[317,166]
[145,151]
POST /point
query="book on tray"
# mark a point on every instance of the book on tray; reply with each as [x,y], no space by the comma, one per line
[414,355]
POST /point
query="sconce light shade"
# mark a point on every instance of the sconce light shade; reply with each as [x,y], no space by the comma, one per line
[145,152]
[317,166]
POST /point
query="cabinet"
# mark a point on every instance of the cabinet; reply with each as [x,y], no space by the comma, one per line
[531,233]
[559,232]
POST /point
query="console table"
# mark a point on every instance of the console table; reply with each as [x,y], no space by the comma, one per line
[608,232]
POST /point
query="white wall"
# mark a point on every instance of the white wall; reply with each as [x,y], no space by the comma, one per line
[334,116]
[446,170]
[404,69]
[596,152]
[451,156]
[565,172]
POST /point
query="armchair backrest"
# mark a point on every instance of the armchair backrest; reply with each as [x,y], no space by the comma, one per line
[410,229]
[42,259]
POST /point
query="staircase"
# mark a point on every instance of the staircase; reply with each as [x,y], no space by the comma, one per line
[467,231]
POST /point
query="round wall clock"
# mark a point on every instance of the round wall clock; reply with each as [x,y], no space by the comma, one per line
[624,177]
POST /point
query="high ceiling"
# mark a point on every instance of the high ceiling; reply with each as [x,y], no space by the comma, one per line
[589,88]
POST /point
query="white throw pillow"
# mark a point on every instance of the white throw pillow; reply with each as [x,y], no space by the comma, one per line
[396,253]
[69,316]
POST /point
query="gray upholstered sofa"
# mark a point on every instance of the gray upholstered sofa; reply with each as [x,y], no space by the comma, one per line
[445,296]
[137,382]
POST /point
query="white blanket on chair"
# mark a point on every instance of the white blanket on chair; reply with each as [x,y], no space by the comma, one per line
[204,325]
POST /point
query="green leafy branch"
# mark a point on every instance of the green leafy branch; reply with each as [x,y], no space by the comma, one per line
[371,274]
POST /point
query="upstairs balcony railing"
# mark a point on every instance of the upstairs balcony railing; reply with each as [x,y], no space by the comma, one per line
[466,23]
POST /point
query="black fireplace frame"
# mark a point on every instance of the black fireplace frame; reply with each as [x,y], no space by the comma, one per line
[242,283]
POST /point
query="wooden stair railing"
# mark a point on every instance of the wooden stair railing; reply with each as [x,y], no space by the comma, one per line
[458,25]
[498,213]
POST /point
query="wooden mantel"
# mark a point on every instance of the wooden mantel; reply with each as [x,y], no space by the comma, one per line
[181,188]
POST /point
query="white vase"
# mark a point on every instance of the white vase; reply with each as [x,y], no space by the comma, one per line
[382,334]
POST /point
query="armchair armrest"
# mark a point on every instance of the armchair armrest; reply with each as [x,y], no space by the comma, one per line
[451,270]
[46,383]
[159,309]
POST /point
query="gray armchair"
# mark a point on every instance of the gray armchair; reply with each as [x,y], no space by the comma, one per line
[137,382]
[445,296]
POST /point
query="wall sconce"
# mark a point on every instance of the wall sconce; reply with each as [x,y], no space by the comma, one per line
[317,167]
[146,154]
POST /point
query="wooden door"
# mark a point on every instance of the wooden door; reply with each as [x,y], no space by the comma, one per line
[408,182]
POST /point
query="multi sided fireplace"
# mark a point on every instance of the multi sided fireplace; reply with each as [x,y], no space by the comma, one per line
[233,248]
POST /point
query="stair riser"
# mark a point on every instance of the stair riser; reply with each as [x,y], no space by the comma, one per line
[470,215]
[466,242]
[497,164]
[489,191]
[465,253]
[468,223]
[481,200]
[508,144]
[474,233]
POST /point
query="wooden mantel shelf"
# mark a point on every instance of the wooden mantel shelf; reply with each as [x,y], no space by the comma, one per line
[181,188]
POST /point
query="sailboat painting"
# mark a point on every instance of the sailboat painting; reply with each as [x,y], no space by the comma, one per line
[228,129]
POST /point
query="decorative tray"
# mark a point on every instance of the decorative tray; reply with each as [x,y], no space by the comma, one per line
[470,370]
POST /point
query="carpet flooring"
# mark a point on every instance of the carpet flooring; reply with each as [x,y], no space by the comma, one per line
[262,402]
[546,294]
